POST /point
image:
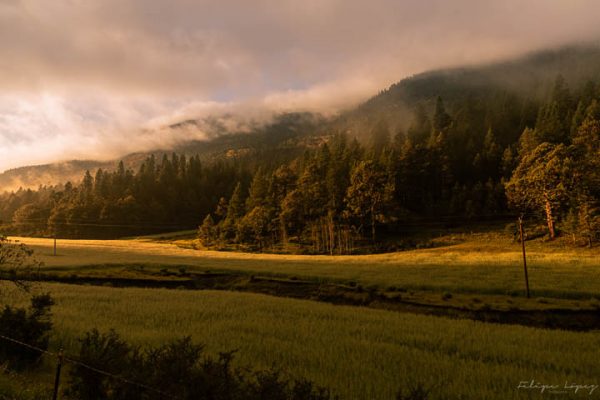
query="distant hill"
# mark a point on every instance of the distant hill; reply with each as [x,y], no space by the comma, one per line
[286,135]
[526,78]
[286,132]
[513,83]
[48,174]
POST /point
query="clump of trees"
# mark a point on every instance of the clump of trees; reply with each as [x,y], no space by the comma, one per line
[180,369]
[558,174]
[325,200]
[346,193]
[162,195]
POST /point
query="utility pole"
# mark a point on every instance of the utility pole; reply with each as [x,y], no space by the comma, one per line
[522,237]
[57,377]
[55,245]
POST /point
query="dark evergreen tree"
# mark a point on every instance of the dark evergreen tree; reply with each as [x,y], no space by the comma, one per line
[441,119]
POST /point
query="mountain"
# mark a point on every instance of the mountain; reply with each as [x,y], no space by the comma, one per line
[474,94]
[48,174]
[287,132]
[526,79]
[459,135]
[286,135]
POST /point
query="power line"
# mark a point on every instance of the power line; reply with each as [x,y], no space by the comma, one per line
[15,341]
[112,225]
[69,223]
[73,361]
[480,219]
[76,220]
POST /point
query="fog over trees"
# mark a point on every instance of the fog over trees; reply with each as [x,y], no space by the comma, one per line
[449,162]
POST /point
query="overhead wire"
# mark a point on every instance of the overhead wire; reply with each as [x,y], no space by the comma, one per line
[86,366]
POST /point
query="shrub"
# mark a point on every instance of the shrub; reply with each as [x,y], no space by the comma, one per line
[16,261]
[180,369]
[106,352]
[416,392]
[31,326]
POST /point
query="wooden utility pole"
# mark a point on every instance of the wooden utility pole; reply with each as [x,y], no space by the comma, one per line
[57,377]
[522,237]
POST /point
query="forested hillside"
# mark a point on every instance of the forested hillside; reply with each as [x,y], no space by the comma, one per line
[34,176]
[289,133]
[470,144]
[503,95]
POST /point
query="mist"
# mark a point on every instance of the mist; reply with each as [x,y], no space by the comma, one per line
[99,79]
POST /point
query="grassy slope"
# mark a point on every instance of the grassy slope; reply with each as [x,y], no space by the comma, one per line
[482,263]
[362,353]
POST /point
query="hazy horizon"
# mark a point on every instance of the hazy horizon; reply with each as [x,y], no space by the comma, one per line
[96,80]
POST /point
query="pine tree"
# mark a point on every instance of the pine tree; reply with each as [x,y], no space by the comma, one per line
[221,210]
[379,137]
[527,142]
[441,119]
[542,181]
[235,211]
[589,219]
[236,207]
[420,127]
[508,162]
[206,230]
[258,192]
[553,124]
[254,227]
[368,193]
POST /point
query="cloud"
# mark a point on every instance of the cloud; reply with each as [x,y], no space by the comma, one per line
[83,78]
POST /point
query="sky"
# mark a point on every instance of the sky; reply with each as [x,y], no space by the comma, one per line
[98,79]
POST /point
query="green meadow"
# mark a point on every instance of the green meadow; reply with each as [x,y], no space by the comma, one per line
[360,353]
[476,263]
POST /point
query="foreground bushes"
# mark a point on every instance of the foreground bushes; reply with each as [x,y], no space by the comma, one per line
[31,326]
[179,369]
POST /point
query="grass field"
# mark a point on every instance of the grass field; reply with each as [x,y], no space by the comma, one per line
[478,263]
[360,353]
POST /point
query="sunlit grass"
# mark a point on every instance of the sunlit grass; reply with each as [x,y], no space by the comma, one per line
[483,263]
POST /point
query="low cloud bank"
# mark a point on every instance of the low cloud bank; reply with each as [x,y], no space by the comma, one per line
[98,79]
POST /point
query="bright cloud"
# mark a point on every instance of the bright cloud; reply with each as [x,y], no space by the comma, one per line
[95,78]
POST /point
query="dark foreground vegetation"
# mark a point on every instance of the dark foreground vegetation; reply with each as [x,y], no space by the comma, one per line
[179,369]
[31,326]
[109,368]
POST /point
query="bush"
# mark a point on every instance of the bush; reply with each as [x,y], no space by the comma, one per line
[31,326]
[106,352]
[16,261]
[180,369]
[416,392]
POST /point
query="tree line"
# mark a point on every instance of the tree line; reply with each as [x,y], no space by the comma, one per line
[163,195]
[448,162]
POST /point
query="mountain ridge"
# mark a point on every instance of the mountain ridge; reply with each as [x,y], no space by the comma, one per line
[522,78]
